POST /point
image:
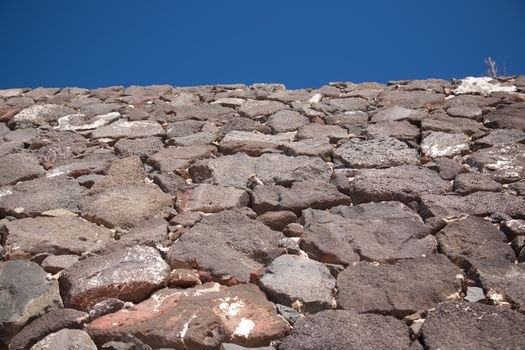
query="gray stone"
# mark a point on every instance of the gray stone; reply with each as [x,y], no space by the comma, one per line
[444,123]
[149,233]
[401,289]
[513,228]
[346,104]
[505,163]
[477,203]
[127,129]
[19,167]
[376,153]
[343,330]
[53,321]
[236,170]
[507,117]
[466,111]
[374,185]
[212,113]
[396,113]
[25,293]
[95,163]
[449,168]
[277,220]
[143,147]
[212,199]
[54,235]
[256,108]
[298,281]
[411,99]
[504,284]
[382,232]
[401,130]
[320,147]
[253,144]
[82,122]
[129,274]
[199,138]
[56,263]
[177,158]
[104,307]
[66,339]
[501,136]
[348,120]
[231,346]
[40,114]
[286,120]
[301,195]
[440,144]
[474,295]
[31,198]
[473,182]
[228,246]
[313,131]
[184,128]
[473,326]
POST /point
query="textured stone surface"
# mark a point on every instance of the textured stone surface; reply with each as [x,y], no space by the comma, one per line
[342,329]
[253,144]
[440,144]
[132,130]
[401,289]
[66,339]
[505,163]
[198,318]
[19,167]
[298,281]
[212,199]
[25,293]
[129,274]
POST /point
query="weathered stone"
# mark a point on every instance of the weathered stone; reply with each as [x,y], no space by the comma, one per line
[348,119]
[174,158]
[374,185]
[518,187]
[343,330]
[382,232]
[401,289]
[376,153]
[314,131]
[320,147]
[19,167]
[441,144]
[411,99]
[298,281]
[129,274]
[131,130]
[228,245]
[255,108]
[253,144]
[473,326]
[206,112]
[466,111]
[97,163]
[474,243]
[82,122]
[396,113]
[401,130]
[301,195]
[277,220]
[473,182]
[288,96]
[212,199]
[513,228]
[104,307]
[149,232]
[505,163]
[507,117]
[449,168]
[56,263]
[53,321]
[285,121]
[142,148]
[40,195]
[25,293]
[477,203]
[55,235]
[66,339]
[504,284]
[40,114]
[481,85]
[236,170]
[199,318]
[444,123]
[346,104]
[184,128]
[502,136]
[471,100]
[199,138]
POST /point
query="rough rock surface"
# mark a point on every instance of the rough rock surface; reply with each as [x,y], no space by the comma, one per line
[362,196]
[66,339]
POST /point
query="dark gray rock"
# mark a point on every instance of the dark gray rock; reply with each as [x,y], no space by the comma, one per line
[505,163]
[466,111]
[507,117]
[25,293]
[473,326]
[19,167]
[513,228]
[401,289]
[504,284]
[143,147]
[56,263]
[473,182]
[440,144]
[53,321]
[236,170]
[449,168]
[376,153]
[228,246]
[501,137]
[129,274]
[298,282]
[176,158]
[444,123]
[319,147]
[184,128]
[374,185]
[401,130]
[286,120]
[66,339]
[343,330]
[149,233]
[301,195]
[277,220]
[381,232]
[348,120]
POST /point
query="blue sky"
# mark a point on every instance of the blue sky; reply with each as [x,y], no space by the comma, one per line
[96,43]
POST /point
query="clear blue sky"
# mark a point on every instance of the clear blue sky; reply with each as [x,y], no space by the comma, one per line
[303,43]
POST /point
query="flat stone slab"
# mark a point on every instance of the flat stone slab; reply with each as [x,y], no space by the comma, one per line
[174,158]
[504,284]
[55,235]
[82,122]
[382,232]
[66,339]
[298,281]
[286,120]
[441,144]
[40,114]
[313,131]
[19,167]
[257,108]
[477,203]
[129,274]
[253,144]
[319,147]
[411,99]
[130,130]
[502,137]
[31,198]
[473,326]
[374,185]
[401,130]
[505,163]
[212,199]
[376,153]
[397,113]
[444,123]
[25,293]
[343,330]
[507,117]
[229,246]
[196,318]
[301,195]
[236,170]
[473,182]
[400,289]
